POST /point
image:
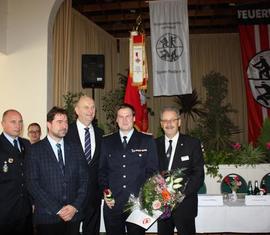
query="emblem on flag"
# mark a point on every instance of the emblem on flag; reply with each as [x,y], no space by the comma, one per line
[258,73]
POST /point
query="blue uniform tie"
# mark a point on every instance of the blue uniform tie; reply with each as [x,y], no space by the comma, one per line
[60,158]
[87,145]
[169,150]
[124,142]
[16,146]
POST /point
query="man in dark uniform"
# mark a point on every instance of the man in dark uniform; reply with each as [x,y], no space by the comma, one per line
[127,159]
[77,134]
[180,151]
[15,205]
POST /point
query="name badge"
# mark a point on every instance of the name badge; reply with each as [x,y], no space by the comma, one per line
[184,158]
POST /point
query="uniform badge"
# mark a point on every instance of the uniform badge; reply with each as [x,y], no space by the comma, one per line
[5,167]
[10,160]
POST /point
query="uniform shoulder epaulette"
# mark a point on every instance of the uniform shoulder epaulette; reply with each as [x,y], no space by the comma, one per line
[147,133]
[105,135]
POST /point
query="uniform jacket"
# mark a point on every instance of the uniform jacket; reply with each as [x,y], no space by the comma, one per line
[14,199]
[50,189]
[94,193]
[125,171]
[188,156]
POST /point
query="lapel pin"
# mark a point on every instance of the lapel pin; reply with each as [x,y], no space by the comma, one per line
[10,160]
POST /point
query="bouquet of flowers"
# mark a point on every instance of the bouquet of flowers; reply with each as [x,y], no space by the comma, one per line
[159,195]
[233,182]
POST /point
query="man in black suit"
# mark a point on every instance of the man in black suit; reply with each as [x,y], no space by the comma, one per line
[127,159]
[180,151]
[77,133]
[15,205]
[57,179]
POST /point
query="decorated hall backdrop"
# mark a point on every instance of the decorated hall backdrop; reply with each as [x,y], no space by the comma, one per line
[74,35]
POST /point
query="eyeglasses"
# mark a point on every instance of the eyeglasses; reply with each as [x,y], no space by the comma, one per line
[33,132]
[170,121]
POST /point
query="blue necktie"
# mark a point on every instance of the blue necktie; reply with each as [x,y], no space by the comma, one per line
[60,158]
[124,142]
[87,145]
[16,146]
[169,152]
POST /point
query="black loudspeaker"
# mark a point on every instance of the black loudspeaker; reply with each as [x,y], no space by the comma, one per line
[93,71]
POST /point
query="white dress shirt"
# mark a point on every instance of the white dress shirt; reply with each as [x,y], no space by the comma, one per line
[81,131]
[55,149]
[11,140]
[127,135]
[174,143]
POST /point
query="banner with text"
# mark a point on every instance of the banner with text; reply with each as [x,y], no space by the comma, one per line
[254,31]
[170,47]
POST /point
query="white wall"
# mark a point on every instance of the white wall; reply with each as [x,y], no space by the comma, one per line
[3,25]
[25,68]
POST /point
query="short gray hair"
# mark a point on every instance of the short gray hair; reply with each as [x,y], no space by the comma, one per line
[169,108]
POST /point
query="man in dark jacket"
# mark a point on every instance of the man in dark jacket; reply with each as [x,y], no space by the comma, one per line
[57,179]
[127,159]
[87,137]
[15,205]
[180,151]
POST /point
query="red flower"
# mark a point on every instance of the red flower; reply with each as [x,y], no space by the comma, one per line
[236,146]
[227,180]
[268,145]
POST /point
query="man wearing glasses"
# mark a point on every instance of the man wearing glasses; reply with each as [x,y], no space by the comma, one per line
[176,150]
[34,132]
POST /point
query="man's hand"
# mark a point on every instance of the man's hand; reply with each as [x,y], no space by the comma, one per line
[109,200]
[67,212]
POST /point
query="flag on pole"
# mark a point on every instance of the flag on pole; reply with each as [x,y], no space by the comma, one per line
[254,31]
[170,47]
[137,80]
[136,98]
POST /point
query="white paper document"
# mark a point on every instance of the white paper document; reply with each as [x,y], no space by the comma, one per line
[142,219]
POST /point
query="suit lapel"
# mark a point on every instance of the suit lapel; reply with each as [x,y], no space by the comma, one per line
[68,160]
[21,145]
[178,151]
[51,155]
[97,139]
[134,140]
[8,147]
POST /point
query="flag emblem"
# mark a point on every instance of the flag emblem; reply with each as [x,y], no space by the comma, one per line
[258,73]
[169,47]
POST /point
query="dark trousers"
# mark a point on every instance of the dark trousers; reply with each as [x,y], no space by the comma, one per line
[22,226]
[91,222]
[184,226]
[115,224]
[62,228]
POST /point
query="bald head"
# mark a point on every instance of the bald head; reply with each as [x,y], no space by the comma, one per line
[12,123]
[85,110]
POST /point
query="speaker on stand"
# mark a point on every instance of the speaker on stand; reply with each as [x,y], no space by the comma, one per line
[93,72]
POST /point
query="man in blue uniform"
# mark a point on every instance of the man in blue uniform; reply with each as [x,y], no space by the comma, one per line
[15,205]
[127,159]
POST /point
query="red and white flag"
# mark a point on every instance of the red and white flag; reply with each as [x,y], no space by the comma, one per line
[254,31]
[137,80]
[136,98]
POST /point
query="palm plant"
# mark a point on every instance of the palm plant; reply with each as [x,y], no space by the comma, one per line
[190,107]
[216,128]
